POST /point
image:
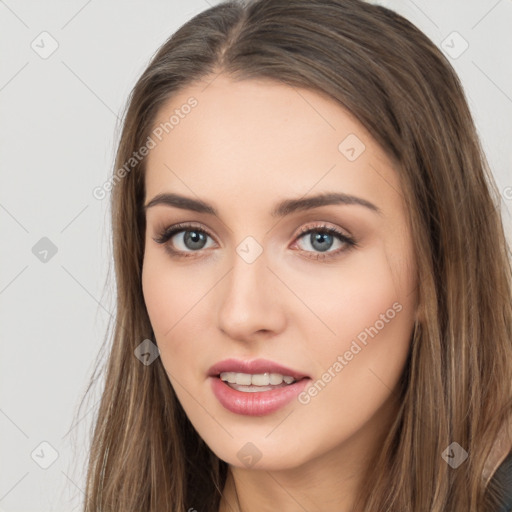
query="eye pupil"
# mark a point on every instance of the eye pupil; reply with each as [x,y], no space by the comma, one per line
[196,237]
[321,238]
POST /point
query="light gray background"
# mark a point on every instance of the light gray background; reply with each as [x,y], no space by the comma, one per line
[59,117]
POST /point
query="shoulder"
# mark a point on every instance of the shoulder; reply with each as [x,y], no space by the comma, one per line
[497,472]
[503,479]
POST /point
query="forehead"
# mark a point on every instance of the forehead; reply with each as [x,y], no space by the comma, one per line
[254,140]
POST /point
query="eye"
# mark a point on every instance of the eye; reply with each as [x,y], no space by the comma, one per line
[188,239]
[322,238]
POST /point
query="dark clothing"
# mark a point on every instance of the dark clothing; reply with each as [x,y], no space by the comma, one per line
[504,476]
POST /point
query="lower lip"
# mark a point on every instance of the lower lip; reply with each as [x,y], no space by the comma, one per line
[256,403]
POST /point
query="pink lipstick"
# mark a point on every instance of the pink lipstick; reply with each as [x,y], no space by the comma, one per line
[255,388]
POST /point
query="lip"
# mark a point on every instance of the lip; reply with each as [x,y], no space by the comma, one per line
[257,403]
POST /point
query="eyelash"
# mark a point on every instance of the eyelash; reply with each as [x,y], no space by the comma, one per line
[169,232]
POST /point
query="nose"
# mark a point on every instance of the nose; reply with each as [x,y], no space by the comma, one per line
[251,302]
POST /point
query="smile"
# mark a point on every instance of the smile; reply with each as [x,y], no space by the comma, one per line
[255,388]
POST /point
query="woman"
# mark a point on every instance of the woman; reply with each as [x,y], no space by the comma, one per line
[306,227]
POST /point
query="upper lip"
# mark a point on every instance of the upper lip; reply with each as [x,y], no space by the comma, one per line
[256,366]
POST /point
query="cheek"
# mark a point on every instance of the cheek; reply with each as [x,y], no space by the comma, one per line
[174,299]
[371,310]
[370,324]
[177,304]
[363,293]
[168,292]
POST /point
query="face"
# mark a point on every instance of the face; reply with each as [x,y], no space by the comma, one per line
[277,249]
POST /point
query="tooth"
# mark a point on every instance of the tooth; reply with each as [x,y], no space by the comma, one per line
[275,379]
[261,379]
[244,379]
[228,377]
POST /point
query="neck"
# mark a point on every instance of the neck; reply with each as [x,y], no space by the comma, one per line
[289,491]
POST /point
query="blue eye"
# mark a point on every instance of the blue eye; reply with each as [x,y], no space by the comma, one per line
[193,239]
[322,238]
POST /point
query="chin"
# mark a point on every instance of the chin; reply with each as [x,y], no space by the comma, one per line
[261,455]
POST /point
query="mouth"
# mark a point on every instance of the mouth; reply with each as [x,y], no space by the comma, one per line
[255,388]
[253,383]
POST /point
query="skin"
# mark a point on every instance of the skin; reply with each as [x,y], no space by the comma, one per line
[244,147]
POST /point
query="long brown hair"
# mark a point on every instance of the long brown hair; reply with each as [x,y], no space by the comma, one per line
[457,386]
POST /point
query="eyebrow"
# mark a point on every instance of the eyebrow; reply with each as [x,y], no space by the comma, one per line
[285,207]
